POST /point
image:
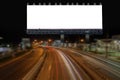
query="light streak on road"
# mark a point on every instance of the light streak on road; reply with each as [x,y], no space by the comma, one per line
[70,66]
[49,68]
[100,63]
[59,64]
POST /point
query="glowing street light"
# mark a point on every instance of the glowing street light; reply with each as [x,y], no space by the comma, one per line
[81,40]
[35,40]
[49,40]
[41,41]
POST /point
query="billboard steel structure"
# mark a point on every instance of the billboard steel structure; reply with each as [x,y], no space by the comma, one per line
[64,19]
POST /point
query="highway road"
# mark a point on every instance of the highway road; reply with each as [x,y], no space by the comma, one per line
[66,64]
[19,67]
[58,64]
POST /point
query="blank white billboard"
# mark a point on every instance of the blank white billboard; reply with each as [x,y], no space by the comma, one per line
[64,16]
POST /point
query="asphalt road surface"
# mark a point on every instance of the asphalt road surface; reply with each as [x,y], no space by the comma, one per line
[58,64]
[65,64]
[18,68]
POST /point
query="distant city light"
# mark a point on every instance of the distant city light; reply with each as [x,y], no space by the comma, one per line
[81,40]
[1,37]
[41,41]
[49,40]
[8,45]
[35,40]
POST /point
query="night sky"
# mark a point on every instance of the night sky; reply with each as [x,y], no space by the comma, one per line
[13,17]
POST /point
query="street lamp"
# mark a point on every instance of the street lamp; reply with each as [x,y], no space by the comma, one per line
[35,40]
[49,40]
[41,42]
[81,40]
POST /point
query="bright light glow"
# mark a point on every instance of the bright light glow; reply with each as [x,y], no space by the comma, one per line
[64,16]
[1,37]
[81,40]
[49,40]
[41,41]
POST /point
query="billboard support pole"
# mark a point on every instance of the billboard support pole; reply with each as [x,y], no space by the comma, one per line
[87,37]
[62,38]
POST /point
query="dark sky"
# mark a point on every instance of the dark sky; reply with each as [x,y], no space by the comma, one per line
[13,17]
